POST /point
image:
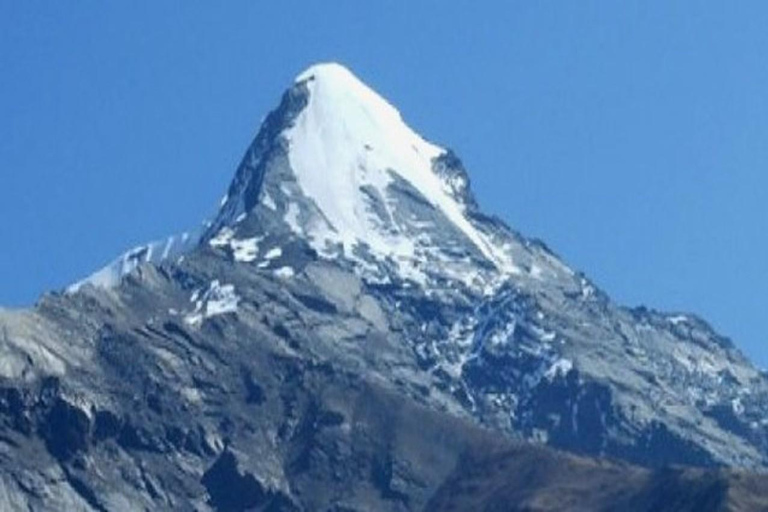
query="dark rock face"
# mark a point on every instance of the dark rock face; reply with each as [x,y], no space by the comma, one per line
[267,149]
[231,490]
[66,430]
[533,479]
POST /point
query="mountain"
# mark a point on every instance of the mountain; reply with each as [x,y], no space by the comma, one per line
[351,332]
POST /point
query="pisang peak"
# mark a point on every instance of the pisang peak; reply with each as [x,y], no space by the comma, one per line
[358,182]
[349,332]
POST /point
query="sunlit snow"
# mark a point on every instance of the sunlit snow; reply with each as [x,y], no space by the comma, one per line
[348,137]
[217,299]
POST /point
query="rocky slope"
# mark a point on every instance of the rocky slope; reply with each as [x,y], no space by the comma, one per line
[518,338]
[346,333]
[527,479]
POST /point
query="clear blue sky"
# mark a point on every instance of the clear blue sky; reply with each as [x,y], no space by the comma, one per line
[632,138]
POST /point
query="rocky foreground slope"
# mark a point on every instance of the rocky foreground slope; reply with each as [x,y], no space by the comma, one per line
[353,333]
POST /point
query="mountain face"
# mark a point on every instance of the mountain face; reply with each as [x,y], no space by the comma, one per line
[345,333]
[519,340]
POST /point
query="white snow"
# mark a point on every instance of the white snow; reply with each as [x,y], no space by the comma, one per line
[153,252]
[587,290]
[269,202]
[217,299]
[292,218]
[222,238]
[548,337]
[678,319]
[348,137]
[737,406]
[224,301]
[559,367]
[245,250]
[273,253]
[285,272]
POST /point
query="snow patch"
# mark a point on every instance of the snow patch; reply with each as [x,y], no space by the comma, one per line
[245,250]
[678,319]
[285,272]
[217,299]
[561,367]
[292,218]
[154,252]
[222,238]
[269,202]
[273,253]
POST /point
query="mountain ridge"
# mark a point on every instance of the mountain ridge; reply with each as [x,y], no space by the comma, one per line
[405,239]
[267,359]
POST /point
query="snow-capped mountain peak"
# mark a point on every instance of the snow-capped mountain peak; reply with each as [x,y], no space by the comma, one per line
[348,142]
[338,166]
[343,170]
[346,234]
